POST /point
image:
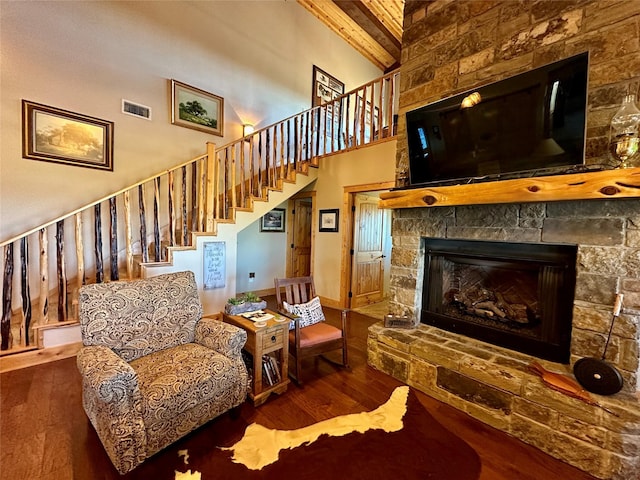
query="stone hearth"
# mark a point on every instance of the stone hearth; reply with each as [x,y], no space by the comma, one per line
[493,384]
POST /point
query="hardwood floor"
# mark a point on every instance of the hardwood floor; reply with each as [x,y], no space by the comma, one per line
[44,433]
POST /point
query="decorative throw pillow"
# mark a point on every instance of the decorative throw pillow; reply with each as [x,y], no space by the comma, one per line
[309,313]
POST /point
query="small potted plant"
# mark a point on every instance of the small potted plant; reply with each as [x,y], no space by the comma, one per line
[254,301]
[235,305]
[245,303]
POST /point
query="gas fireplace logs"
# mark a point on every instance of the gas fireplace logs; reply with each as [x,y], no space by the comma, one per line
[485,303]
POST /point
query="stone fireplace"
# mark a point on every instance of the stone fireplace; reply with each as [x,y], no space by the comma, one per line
[450,47]
[493,383]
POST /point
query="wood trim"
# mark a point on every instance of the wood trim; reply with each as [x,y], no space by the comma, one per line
[347,234]
[370,187]
[328,302]
[51,326]
[260,293]
[37,357]
[609,184]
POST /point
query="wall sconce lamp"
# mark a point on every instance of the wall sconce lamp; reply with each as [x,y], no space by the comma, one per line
[247,129]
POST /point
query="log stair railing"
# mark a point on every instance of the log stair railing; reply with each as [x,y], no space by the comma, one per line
[108,239]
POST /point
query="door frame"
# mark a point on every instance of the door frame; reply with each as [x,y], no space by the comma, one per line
[348,202]
[290,203]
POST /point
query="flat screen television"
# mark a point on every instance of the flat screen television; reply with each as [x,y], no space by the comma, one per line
[529,124]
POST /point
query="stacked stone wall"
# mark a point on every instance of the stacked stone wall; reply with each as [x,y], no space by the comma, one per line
[453,46]
[606,233]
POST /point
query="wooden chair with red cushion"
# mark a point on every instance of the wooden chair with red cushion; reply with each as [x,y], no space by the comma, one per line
[311,335]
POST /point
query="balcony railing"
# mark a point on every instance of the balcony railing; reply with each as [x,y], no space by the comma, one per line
[108,239]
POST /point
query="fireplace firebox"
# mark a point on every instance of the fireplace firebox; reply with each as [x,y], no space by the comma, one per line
[515,295]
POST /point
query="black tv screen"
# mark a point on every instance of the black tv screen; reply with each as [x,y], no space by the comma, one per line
[528,124]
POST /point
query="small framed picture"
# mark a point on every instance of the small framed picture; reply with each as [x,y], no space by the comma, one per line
[273,221]
[329,220]
[54,135]
[197,109]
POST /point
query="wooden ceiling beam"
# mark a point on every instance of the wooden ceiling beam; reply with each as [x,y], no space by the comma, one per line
[338,21]
[390,13]
[360,13]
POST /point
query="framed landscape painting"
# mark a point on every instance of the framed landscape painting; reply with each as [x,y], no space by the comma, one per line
[54,135]
[197,109]
[273,221]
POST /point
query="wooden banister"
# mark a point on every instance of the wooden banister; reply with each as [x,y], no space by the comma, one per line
[79,210]
[211,188]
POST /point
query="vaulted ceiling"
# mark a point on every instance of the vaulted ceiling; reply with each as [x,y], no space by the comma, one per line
[373,27]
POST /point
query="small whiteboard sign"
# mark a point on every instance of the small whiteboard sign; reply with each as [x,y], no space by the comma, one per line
[215,261]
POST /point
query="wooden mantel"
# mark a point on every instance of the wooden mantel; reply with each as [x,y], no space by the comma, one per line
[608,184]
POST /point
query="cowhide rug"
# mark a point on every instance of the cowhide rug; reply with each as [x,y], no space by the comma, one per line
[398,440]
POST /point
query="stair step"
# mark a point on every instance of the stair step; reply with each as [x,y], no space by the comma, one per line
[16,350]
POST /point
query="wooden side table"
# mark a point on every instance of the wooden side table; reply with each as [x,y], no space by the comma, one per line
[271,338]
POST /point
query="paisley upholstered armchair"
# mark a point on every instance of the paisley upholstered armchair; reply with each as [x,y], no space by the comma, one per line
[152,368]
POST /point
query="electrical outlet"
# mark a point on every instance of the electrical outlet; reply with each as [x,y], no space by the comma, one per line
[252,276]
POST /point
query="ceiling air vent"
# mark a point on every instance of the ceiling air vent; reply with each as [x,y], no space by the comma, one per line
[136,109]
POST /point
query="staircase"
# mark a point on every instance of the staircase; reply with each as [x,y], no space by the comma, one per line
[162,223]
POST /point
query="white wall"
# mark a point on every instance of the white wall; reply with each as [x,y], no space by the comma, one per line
[264,253]
[367,165]
[87,56]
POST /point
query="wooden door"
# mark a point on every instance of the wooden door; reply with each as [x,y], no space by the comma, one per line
[367,281]
[301,238]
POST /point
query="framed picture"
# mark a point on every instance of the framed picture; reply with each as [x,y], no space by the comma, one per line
[197,109]
[329,220]
[325,87]
[54,135]
[273,221]
[215,264]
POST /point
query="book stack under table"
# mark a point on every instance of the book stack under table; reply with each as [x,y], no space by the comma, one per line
[266,353]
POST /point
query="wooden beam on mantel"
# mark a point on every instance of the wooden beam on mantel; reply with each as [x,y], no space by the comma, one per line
[608,184]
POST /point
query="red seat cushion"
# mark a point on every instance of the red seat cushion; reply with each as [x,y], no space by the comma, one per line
[315,334]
